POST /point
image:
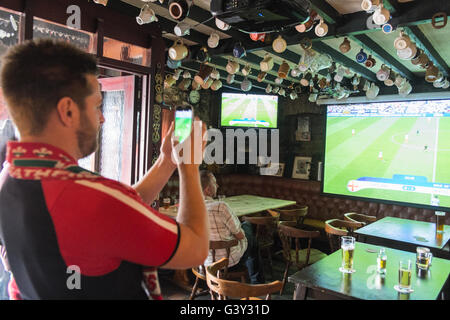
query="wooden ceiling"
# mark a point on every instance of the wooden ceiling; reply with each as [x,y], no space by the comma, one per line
[345,18]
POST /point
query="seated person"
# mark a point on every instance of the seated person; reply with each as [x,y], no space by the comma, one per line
[224,225]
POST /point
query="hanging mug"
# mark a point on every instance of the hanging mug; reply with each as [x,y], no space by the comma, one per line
[381,15]
[232,67]
[239,50]
[215,74]
[361,57]
[213,40]
[246,85]
[203,74]
[321,29]
[305,80]
[261,76]
[182,29]
[207,84]
[269,88]
[246,70]
[431,73]
[216,85]
[408,53]
[222,25]
[370,62]
[230,78]
[178,9]
[202,55]
[345,46]
[283,70]
[184,84]
[279,44]
[173,64]
[267,63]
[383,73]
[402,41]
[170,81]
[369,5]
[390,80]
[178,50]
[147,15]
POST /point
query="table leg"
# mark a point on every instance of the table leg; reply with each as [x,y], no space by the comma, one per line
[300,292]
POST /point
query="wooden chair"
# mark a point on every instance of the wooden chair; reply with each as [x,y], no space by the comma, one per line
[358,217]
[240,272]
[224,288]
[266,227]
[300,257]
[336,228]
[295,213]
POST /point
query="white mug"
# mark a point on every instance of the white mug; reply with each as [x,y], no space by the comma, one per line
[222,25]
[321,29]
[278,80]
[232,67]
[177,74]
[293,95]
[369,5]
[312,97]
[269,88]
[213,40]
[182,29]
[178,51]
[381,15]
[373,91]
[186,74]
[282,92]
[147,15]
[275,89]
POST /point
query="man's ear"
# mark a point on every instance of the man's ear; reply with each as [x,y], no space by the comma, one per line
[68,111]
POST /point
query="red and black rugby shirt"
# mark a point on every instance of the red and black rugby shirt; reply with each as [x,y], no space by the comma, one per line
[54,214]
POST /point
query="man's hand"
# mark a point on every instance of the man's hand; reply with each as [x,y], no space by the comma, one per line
[166,147]
[191,151]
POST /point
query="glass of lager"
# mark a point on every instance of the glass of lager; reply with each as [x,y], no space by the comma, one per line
[348,249]
[381,261]
[440,217]
[404,277]
[166,203]
[423,258]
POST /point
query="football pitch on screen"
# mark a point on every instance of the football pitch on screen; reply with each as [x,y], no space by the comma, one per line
[381,147]
[249,112]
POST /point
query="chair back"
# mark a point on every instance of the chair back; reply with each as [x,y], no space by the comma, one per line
[359,217]
[336,228]
[265,227]
[295,212]
[288,234]
[226,288]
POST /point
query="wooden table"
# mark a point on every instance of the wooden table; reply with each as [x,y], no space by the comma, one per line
[241,206]
[323,280]
[406,235]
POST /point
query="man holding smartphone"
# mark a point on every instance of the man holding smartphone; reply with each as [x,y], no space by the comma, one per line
[70,233]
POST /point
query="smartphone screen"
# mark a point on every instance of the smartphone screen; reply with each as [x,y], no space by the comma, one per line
[183,123]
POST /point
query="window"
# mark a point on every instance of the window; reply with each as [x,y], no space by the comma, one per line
[126,52]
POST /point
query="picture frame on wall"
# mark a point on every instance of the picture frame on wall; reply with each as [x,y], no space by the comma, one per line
[303,132]
[272,169]
[302,167]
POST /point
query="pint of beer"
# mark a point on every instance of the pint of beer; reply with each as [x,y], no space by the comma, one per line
[423,258]
[440,217]
[348,249]
[404,275]
[381,261]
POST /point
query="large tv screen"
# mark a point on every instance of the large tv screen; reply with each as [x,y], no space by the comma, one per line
[390,151]
[249,110]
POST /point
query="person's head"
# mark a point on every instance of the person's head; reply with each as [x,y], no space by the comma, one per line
[209,184]
[42,77]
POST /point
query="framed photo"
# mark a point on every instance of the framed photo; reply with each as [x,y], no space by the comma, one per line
[303,132]
[272,169]
[302,167]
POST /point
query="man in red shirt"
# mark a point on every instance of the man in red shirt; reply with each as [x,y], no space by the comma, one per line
[56,217]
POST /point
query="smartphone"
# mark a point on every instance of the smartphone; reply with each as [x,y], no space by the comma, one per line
[183,122]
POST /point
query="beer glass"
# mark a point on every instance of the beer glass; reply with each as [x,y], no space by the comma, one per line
[381,261]
[348,249]
[404,276]
[166,203]
[423,258]
[440,217]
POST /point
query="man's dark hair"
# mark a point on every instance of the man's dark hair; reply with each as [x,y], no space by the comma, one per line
[205,178]
[37,74]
